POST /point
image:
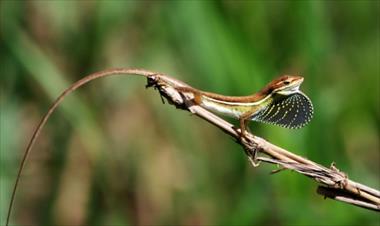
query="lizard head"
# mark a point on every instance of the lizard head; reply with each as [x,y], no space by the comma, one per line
[284,85]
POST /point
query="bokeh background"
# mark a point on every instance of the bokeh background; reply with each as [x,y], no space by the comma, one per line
[113,154]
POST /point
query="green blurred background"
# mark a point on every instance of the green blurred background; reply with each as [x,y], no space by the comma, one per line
[114,155]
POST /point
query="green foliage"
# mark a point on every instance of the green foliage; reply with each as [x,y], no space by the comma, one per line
[114,155]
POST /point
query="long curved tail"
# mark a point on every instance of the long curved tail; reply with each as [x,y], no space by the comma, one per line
[60,98]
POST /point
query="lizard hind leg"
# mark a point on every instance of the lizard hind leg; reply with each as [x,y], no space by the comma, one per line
[197,97]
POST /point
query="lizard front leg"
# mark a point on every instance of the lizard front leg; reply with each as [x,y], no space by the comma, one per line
[250,152]
[244,118]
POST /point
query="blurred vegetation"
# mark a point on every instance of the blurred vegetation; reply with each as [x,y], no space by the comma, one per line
[114,155]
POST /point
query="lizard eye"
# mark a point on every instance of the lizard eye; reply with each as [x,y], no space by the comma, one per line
[286,82]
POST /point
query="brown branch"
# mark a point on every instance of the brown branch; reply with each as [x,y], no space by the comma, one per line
[334,183]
